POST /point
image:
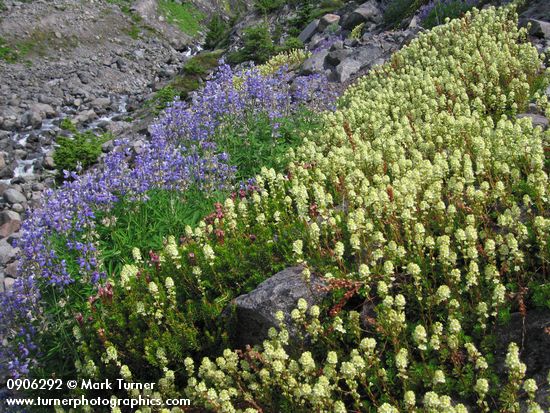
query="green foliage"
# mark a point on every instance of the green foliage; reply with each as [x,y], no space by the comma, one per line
[309,10]
[267,6]
[185,84]
[442,11]
[422,198]
[142,224]
[7,53]
[36,43]
[541,295]
[134,31]
[185,16]
[194,71]
[326,6]
[187,303]
[291,43]
[303,17]
[163,97]
[253,146]
[68,125]
[194,67]
[218,33]
[83,148]
[357,31]
[257,46]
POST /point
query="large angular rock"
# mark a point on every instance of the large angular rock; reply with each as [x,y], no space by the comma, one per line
[540,28]
[368,12]
[315,64]
[361,58]
[335,57]
[254,313]
[309,31]
[10,222]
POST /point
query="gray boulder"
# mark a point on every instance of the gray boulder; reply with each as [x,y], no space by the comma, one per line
[309,31]
[13,196]
[536,119]
[31,118]
[361,58]
[315,64]
[10,222]
[101,103]
[8,283]
[335,57]
[254,313]
[539,28]
[85,116]
[368,12]
[45,110]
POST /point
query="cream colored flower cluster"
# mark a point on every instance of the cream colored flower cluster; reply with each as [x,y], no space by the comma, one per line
[426,186]
[291,59]
[425,190]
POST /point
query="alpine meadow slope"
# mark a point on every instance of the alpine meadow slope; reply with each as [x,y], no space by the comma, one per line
[421,203]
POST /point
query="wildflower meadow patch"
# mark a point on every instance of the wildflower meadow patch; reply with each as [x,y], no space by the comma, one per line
[421,202]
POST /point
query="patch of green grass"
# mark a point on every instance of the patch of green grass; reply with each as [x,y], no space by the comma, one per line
[134,31]
[36,44]
[143,224]
[185,16]
[7,53]
[185,84]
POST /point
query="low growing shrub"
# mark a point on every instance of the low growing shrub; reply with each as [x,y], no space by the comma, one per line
[218,33]
[267,6]
[81,149]
[257,47]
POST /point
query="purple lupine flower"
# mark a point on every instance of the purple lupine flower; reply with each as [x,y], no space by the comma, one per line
[182,152]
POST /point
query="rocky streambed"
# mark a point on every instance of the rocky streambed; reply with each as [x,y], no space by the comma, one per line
[89,62]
